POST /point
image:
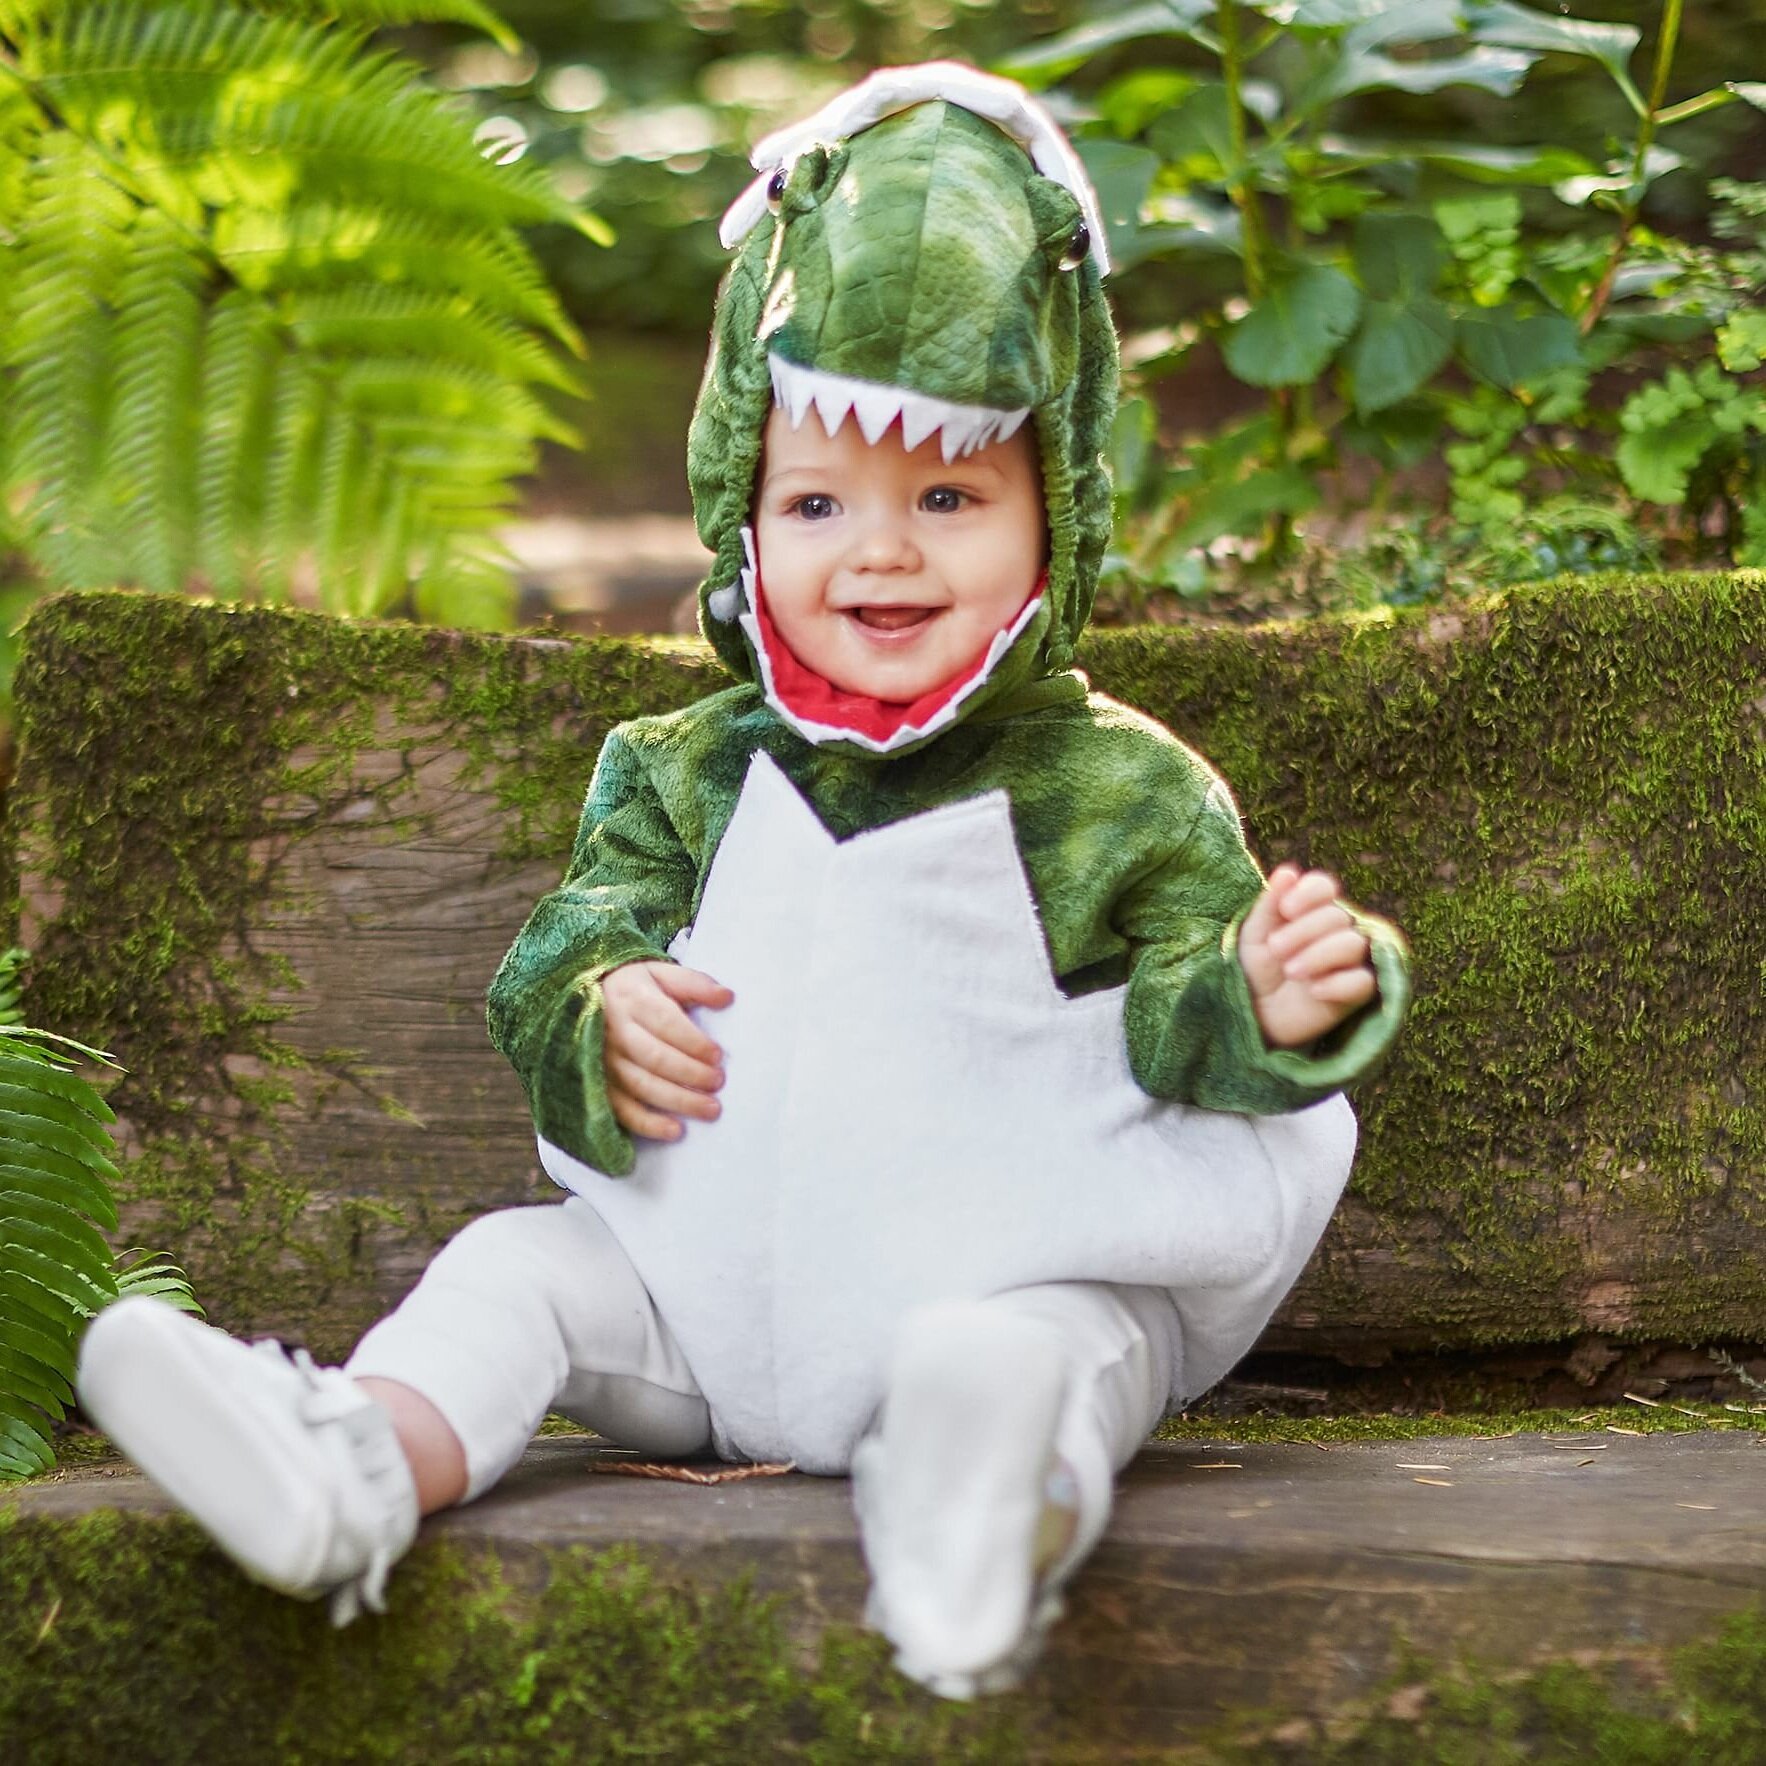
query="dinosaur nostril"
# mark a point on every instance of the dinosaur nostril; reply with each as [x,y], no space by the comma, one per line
[1077,247]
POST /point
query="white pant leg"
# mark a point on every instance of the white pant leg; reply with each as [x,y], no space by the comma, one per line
[529,1310]
[1120,1343]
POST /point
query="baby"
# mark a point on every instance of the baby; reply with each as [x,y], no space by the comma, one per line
[942,1091]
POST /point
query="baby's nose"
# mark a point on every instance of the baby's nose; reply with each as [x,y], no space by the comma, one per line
[886,542]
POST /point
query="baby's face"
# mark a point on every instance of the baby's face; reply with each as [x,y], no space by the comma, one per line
[889,572]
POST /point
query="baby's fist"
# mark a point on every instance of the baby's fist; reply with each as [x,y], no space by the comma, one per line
[1304,957]
[660,1065]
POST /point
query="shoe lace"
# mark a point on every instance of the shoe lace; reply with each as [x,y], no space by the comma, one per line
[371,1502]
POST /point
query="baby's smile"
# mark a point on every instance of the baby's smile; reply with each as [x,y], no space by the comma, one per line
[887,570]
[892,624]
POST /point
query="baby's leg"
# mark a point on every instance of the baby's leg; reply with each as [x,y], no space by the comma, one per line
[523,1311]
[988,1479]
[311,1483]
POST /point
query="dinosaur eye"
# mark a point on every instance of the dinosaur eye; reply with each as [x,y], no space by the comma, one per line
[775,189]
[1077,247]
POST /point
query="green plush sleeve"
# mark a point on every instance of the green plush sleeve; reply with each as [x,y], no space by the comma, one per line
[628,890]
[1192,1031]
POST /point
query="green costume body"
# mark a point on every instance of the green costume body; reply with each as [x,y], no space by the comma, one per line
[903,257]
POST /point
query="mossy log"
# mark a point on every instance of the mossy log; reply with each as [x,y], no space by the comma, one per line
[271,859]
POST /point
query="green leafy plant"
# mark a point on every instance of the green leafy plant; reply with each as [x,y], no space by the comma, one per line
[56,1270]
[266,320]
[1408,299]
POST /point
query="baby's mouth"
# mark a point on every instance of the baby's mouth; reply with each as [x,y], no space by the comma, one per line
[891,619]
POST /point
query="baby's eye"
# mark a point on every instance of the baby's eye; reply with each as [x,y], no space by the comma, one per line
[945,499]
[811,506]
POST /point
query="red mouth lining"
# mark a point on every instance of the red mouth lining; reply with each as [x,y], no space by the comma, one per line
[812,698]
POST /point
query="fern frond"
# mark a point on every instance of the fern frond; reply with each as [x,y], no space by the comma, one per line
[326,245]
[405,12]
[71,247]
[241,353]
[148,470]
[12,965]
[157,1275]
[428,327]
[264,304]
[298,405]
[55,1266]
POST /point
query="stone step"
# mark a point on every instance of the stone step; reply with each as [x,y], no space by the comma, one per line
[1241,1589]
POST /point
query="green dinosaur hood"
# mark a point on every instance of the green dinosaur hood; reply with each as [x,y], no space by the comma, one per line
[902,254]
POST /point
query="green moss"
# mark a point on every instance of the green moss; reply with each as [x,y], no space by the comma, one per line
[1707,1703]
[1664,1419]
[125,1637]
[1559,792]
[173,755]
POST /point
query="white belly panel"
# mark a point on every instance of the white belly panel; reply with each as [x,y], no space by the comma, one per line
[913,1111]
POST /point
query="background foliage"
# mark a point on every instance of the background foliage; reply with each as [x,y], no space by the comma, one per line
[265,316]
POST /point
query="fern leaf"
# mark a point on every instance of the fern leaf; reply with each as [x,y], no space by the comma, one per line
[156,1275]
[241,352]
[70,248]
[299,411]
[24,1445]
[404,12]
[55,1267]
[147,472]
[263,306]
[12,963]
[313,244]
[427,327]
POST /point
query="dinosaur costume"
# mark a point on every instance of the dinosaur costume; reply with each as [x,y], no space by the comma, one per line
[990,1026]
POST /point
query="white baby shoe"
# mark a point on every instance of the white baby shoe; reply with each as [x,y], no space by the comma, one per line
[966,1516]
[290,1468]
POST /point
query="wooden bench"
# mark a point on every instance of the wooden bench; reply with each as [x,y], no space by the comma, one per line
[271,859]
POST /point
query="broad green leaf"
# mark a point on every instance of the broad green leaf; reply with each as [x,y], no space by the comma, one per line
[1290,335]
[1398,348]
[1401,435]
[1195,135]
[1656,463]
[1464,218]
[1398,256]
[1576,191]
[1741,342]
[1403,21]
[1510,349]
[1130,102]
[1500,21]
[1051,58]
[1483,165]
[1185,223]
[1495,70]
[1120,173]
[1243,505]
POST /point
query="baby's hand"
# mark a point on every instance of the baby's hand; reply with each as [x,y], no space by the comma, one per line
[1305,959]
[660,1065]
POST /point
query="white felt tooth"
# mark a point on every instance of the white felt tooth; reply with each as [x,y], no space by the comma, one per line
[919,417]
[876,407]
[791,388]
[833,402]
[958,435]
[1012,422]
